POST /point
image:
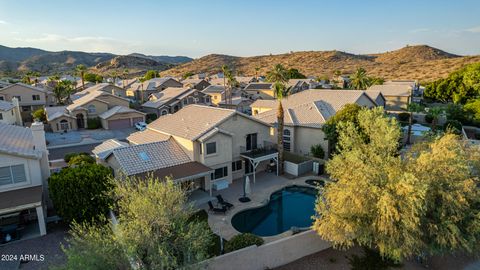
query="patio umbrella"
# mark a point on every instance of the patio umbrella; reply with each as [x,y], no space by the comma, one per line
[247,186]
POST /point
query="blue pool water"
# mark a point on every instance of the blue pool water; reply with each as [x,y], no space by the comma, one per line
[292,206]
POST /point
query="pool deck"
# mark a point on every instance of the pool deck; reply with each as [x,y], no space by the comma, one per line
[266,184]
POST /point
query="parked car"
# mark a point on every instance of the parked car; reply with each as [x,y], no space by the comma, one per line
[141,126]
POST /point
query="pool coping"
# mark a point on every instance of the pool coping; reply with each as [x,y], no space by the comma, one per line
[222,224]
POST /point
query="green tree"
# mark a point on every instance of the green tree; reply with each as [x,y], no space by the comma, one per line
[278,75]
[317,151]
[150,74]
[80,69]
[81,159]
[435,113]
[81,193]
[62,91]
[92,77]
[348,113]
[40,115]
[187,74]
[154,231]
[472,109]
[359,80]
[293,73]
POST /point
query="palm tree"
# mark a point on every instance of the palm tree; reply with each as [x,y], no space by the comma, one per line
[225,71]
[256,73]
[62,91]
[412,107]
[231,83]
[359,80]
[125,74]
[278,75]
[81,71]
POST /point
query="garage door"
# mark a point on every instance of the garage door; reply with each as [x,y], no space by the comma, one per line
[138,119]
[119,123]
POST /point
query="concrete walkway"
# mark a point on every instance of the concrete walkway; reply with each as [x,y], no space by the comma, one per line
[266,184]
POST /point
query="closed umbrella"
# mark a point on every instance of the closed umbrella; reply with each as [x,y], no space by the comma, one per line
[247,186]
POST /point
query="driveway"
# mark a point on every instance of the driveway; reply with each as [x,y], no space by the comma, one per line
[86,136]
[60,152]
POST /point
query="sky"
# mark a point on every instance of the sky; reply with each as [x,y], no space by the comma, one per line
[242,28]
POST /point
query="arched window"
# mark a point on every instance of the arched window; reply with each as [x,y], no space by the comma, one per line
[164,112]
[64,125]
[91,108]
[287,140]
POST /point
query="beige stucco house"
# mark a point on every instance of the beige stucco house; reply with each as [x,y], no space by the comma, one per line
[24,170]
[305,114]
[10,112]
[30,98]
[113,111]
[105,87]
[260,90]
[142,90]
[198,84]
[172,99]
[228,142]
[397,96]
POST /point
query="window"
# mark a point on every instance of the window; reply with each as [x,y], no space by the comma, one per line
[251,141]
[26,108]
[1,98]
[1,116]
[12,175]
[91,108]
[237,165]
[219,173]
[286,140]
[36,97]
[211,148]
[18,97]
[200,149]
[185,102]
[164,112]
[64,125]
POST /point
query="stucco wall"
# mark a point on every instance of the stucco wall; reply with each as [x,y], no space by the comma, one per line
[305,137]
[114,101]
[396,103]
[270,255]
[25,94]
[99,106]
[71,121]
[8,117]
[32,171]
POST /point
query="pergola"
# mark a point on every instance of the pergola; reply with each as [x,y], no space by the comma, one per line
[259,155]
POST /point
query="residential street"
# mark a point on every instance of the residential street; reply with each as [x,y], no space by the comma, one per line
[59,153]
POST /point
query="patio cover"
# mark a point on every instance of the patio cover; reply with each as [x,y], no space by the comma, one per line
[181,172]
[20,199]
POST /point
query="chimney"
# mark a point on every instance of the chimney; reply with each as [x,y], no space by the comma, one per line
[38,133]
[18,116]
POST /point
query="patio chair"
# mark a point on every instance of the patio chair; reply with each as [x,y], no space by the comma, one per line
[223,202]
[216,210]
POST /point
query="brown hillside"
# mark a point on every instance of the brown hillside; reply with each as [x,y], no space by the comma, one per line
[421,62]
[135,65]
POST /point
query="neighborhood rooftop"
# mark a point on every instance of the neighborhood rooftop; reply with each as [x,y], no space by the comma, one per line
[17,141]
[393,89]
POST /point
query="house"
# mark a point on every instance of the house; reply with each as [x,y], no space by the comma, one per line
[342,81]
[397,96]
[260,90]
[4,84]
[242,80]
[105,87]
[113,112]
[173,99]
[231,143]
[10,112]
[24,170]
[298,85]
[238,103]
[198,84]
[305,114]
[142,90]
[30,98]
[378,97]
[216,93]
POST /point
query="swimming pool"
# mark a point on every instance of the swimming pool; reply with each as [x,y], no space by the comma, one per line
[292,206]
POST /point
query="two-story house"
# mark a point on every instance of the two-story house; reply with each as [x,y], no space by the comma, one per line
[30,98]
[397,96]
[142,90]
[10,112]
[260,90]
[172,99]
[226,143]
[198,84]
[105,87]
[23,190]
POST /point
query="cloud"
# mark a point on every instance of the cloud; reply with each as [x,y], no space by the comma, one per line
[419,30]
[475,29]
[3,22]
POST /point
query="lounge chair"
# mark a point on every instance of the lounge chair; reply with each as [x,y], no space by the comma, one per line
[216,210]
[223,202]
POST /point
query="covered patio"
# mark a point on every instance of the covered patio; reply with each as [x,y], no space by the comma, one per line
[256,156]
[18,209]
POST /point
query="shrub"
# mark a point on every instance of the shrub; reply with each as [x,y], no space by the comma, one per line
[69,156]
[81,159]
[82,193]
[453,125]
[39,115]
[429,118]
[403,117]
[93,123]
[371,260]
[150,117]
[242,241]
[317,151]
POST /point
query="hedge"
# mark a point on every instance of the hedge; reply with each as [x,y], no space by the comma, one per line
[242,241]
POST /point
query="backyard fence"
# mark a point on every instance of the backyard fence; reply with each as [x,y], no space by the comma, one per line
[298,169]
[270,255]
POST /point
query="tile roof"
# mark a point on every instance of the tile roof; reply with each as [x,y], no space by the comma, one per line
[27,86]
[55,112]
[192,81]
[258,86]
[392,89]
[309,108]
[17,140]
[179,172]
[148,157]
[167,95]
[214,89]
[6,106]
[149,85]
[85,99]
[191,121]
[22,196]
[117,109]
[105,149]
[147,136]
